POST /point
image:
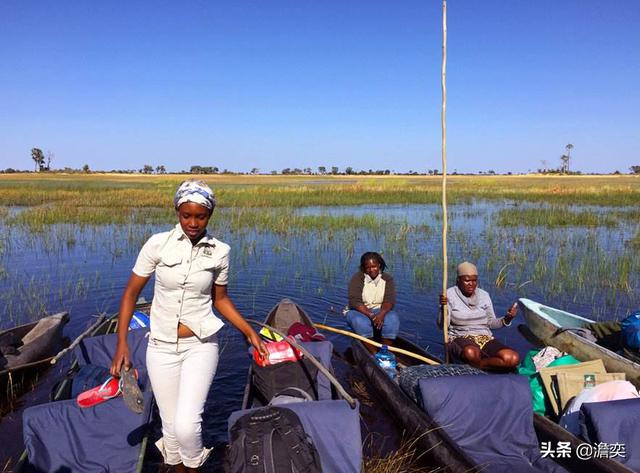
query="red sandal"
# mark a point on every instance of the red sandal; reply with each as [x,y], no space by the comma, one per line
[107,390]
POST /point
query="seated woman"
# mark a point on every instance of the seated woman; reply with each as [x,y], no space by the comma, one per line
[471,319]
[372,295]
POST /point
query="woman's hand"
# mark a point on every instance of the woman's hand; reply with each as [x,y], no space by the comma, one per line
[443,299]
[259,345]
[378,320]
[511,313]
[120,359]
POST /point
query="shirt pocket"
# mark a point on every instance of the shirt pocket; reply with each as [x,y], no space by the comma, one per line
[170,259]
[207,264]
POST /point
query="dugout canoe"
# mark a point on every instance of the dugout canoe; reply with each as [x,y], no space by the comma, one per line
[36,343]
[554,327]
[329,415]
[57,426]
[431,440]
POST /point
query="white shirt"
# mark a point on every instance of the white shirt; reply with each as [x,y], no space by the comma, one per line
[373,291]
[185,275]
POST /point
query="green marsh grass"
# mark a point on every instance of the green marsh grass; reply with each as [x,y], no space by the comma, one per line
[116,191]
[556,217]
[558,249]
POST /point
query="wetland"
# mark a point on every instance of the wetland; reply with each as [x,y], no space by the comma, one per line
[68,242]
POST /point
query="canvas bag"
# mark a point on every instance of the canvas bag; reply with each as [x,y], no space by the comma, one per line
[272,380]
[547,377]
[541,404]
[569,385]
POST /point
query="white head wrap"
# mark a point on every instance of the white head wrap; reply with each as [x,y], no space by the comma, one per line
[467,269]
[195,191]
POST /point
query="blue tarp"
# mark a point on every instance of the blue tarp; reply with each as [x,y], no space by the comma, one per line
[614,422]
[490,418]
[64,438]
[322,350]
[334,429]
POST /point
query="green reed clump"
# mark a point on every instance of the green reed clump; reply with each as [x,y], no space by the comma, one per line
[554,217]
[38,217]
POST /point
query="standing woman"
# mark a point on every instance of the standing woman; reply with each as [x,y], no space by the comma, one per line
[192,271]
[471,319]
[372,296]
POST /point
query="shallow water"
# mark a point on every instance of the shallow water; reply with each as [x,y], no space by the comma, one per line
[84,270]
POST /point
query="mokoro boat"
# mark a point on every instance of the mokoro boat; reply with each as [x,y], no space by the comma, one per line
[331,418]
[60,436]
[437,446]
[554,327]
[28,349]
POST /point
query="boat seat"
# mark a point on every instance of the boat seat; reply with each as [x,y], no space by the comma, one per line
[99,350]
[409,378]
[334,429]
[60,436]
[614,422]
[490,418]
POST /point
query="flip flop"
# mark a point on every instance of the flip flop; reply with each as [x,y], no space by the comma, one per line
[107,390]
[131,391]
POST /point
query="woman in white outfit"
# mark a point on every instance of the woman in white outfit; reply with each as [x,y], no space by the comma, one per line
[191,270]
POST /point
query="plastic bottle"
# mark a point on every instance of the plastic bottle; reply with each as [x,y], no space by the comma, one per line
[387,361]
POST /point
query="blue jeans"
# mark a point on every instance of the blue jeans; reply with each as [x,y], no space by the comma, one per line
[362,325]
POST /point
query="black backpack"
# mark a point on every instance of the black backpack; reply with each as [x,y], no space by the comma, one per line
[271,440]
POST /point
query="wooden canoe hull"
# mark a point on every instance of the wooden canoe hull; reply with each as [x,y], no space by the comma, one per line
[34,358]
[547,323]
[109,326]
[439,448]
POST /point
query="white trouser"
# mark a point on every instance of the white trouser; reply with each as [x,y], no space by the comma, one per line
[181,375]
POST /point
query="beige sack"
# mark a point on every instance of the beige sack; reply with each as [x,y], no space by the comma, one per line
[580,369]
[570,385]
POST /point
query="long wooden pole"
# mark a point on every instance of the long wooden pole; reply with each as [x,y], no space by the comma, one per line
[77,341]
[445,222]
[376,344]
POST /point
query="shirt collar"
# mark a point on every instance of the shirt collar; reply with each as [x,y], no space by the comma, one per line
[468,301]
[205,240]
[368,280]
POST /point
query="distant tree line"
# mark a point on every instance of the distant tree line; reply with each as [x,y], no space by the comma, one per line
[42,163]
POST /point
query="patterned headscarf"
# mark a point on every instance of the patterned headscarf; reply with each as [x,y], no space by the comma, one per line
[195,191]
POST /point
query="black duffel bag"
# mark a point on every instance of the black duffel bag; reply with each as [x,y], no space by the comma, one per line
[275,379]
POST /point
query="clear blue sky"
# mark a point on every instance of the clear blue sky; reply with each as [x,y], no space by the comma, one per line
[296,83]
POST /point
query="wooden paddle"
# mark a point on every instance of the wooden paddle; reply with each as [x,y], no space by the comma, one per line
[376,344]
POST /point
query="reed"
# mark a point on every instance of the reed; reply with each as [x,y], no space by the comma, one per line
[556,217]
[405,459]
[264,191]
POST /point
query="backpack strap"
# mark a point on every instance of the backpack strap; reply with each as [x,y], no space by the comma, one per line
[297,392]
[297,443]
[258,445]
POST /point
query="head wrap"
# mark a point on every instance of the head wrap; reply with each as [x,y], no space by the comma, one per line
[467,269]
[197,192]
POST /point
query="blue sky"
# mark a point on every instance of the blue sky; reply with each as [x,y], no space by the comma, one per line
[295,83]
